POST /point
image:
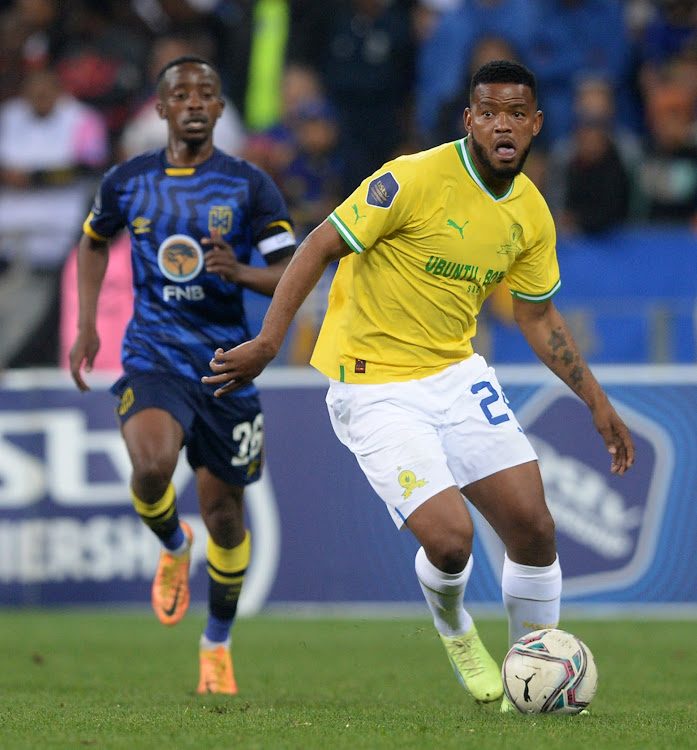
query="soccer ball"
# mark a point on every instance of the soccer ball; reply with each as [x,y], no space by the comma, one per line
[549,672]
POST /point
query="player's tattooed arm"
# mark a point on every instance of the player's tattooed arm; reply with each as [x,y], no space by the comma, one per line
[563,355]
[549,337]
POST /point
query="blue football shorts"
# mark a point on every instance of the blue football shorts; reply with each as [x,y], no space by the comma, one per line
[416,438]
[224,435]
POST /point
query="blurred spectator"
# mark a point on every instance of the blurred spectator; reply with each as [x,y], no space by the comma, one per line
[597,185]
[275,148]
[50,146]
[668,33]
[575,39]
[256,39]
[445,55]
[668,173]
[161,17]
[314,182]
[101,61]
[590,174]
[368,72]
[146,130]
[450,124]
[30,34]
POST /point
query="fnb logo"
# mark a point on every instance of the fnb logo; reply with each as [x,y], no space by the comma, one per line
[180,258]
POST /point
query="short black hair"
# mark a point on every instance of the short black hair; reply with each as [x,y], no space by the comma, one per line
[180,61]
[504,71]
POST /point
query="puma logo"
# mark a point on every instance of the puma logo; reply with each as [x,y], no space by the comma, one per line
[526,691]
[460,229]
[358,216]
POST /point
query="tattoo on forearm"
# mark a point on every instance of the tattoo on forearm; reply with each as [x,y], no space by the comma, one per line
[576,377]
[567,357]
[562,353]
[556,340]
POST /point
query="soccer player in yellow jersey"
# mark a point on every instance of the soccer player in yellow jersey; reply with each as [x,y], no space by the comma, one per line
[422,243]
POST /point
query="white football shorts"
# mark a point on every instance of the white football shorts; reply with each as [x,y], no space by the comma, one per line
[416,438]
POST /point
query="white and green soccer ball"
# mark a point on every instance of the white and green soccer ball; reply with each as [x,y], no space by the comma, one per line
[549,672]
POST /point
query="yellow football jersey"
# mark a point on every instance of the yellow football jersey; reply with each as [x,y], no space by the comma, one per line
[430,243]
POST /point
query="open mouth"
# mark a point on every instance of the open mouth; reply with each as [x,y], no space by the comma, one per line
[505,150]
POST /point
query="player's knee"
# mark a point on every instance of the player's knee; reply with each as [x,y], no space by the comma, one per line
[541,530]
[225,524]
[533,542]
[450,553]
[151,479]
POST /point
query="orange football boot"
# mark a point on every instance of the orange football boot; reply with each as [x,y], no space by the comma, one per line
[170,589]
[216,671]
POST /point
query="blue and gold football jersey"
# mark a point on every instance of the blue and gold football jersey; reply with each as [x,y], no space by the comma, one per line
[182,313]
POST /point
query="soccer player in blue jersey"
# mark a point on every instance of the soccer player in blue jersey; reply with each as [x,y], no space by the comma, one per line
[193,214]
[421,243]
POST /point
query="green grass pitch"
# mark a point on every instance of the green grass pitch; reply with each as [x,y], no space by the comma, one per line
[75,679]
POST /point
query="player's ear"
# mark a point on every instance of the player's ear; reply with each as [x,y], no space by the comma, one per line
[221,107]
[467,119]
[537,125]
[160,108]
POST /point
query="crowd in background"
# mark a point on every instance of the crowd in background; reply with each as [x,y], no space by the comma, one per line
[320,93]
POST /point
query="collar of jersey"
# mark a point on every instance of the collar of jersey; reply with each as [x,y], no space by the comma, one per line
[173,171]
[472,171]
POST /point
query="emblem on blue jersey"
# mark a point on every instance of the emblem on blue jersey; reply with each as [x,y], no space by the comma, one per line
[382,191]
[220,218]
[180,258]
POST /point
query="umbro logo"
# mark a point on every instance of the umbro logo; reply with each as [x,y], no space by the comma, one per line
[140,225]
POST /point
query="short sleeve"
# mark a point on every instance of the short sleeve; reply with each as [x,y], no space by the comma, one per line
[534,276]
[105,218]
[378,207]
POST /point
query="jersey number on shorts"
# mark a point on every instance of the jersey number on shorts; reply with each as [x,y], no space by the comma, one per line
[250,436]
[492,398]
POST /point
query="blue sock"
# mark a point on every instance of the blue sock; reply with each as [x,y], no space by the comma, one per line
[217,630]
[176,540]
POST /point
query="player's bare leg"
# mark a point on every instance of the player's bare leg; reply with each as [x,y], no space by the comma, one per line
[513,503]
[228,554]
[153,439]
[443,565]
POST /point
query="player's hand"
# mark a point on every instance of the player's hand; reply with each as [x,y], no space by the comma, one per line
[221,257]
[616,435]
[83,352]
[237,367]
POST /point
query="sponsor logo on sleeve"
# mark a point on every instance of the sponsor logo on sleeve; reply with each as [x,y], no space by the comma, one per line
[382,191]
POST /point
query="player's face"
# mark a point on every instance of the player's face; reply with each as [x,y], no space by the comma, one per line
[190,101]
[501,122]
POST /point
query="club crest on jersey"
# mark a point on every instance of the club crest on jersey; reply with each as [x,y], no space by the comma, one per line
[382,191]
[513,247]
[180,258]
[220,218]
